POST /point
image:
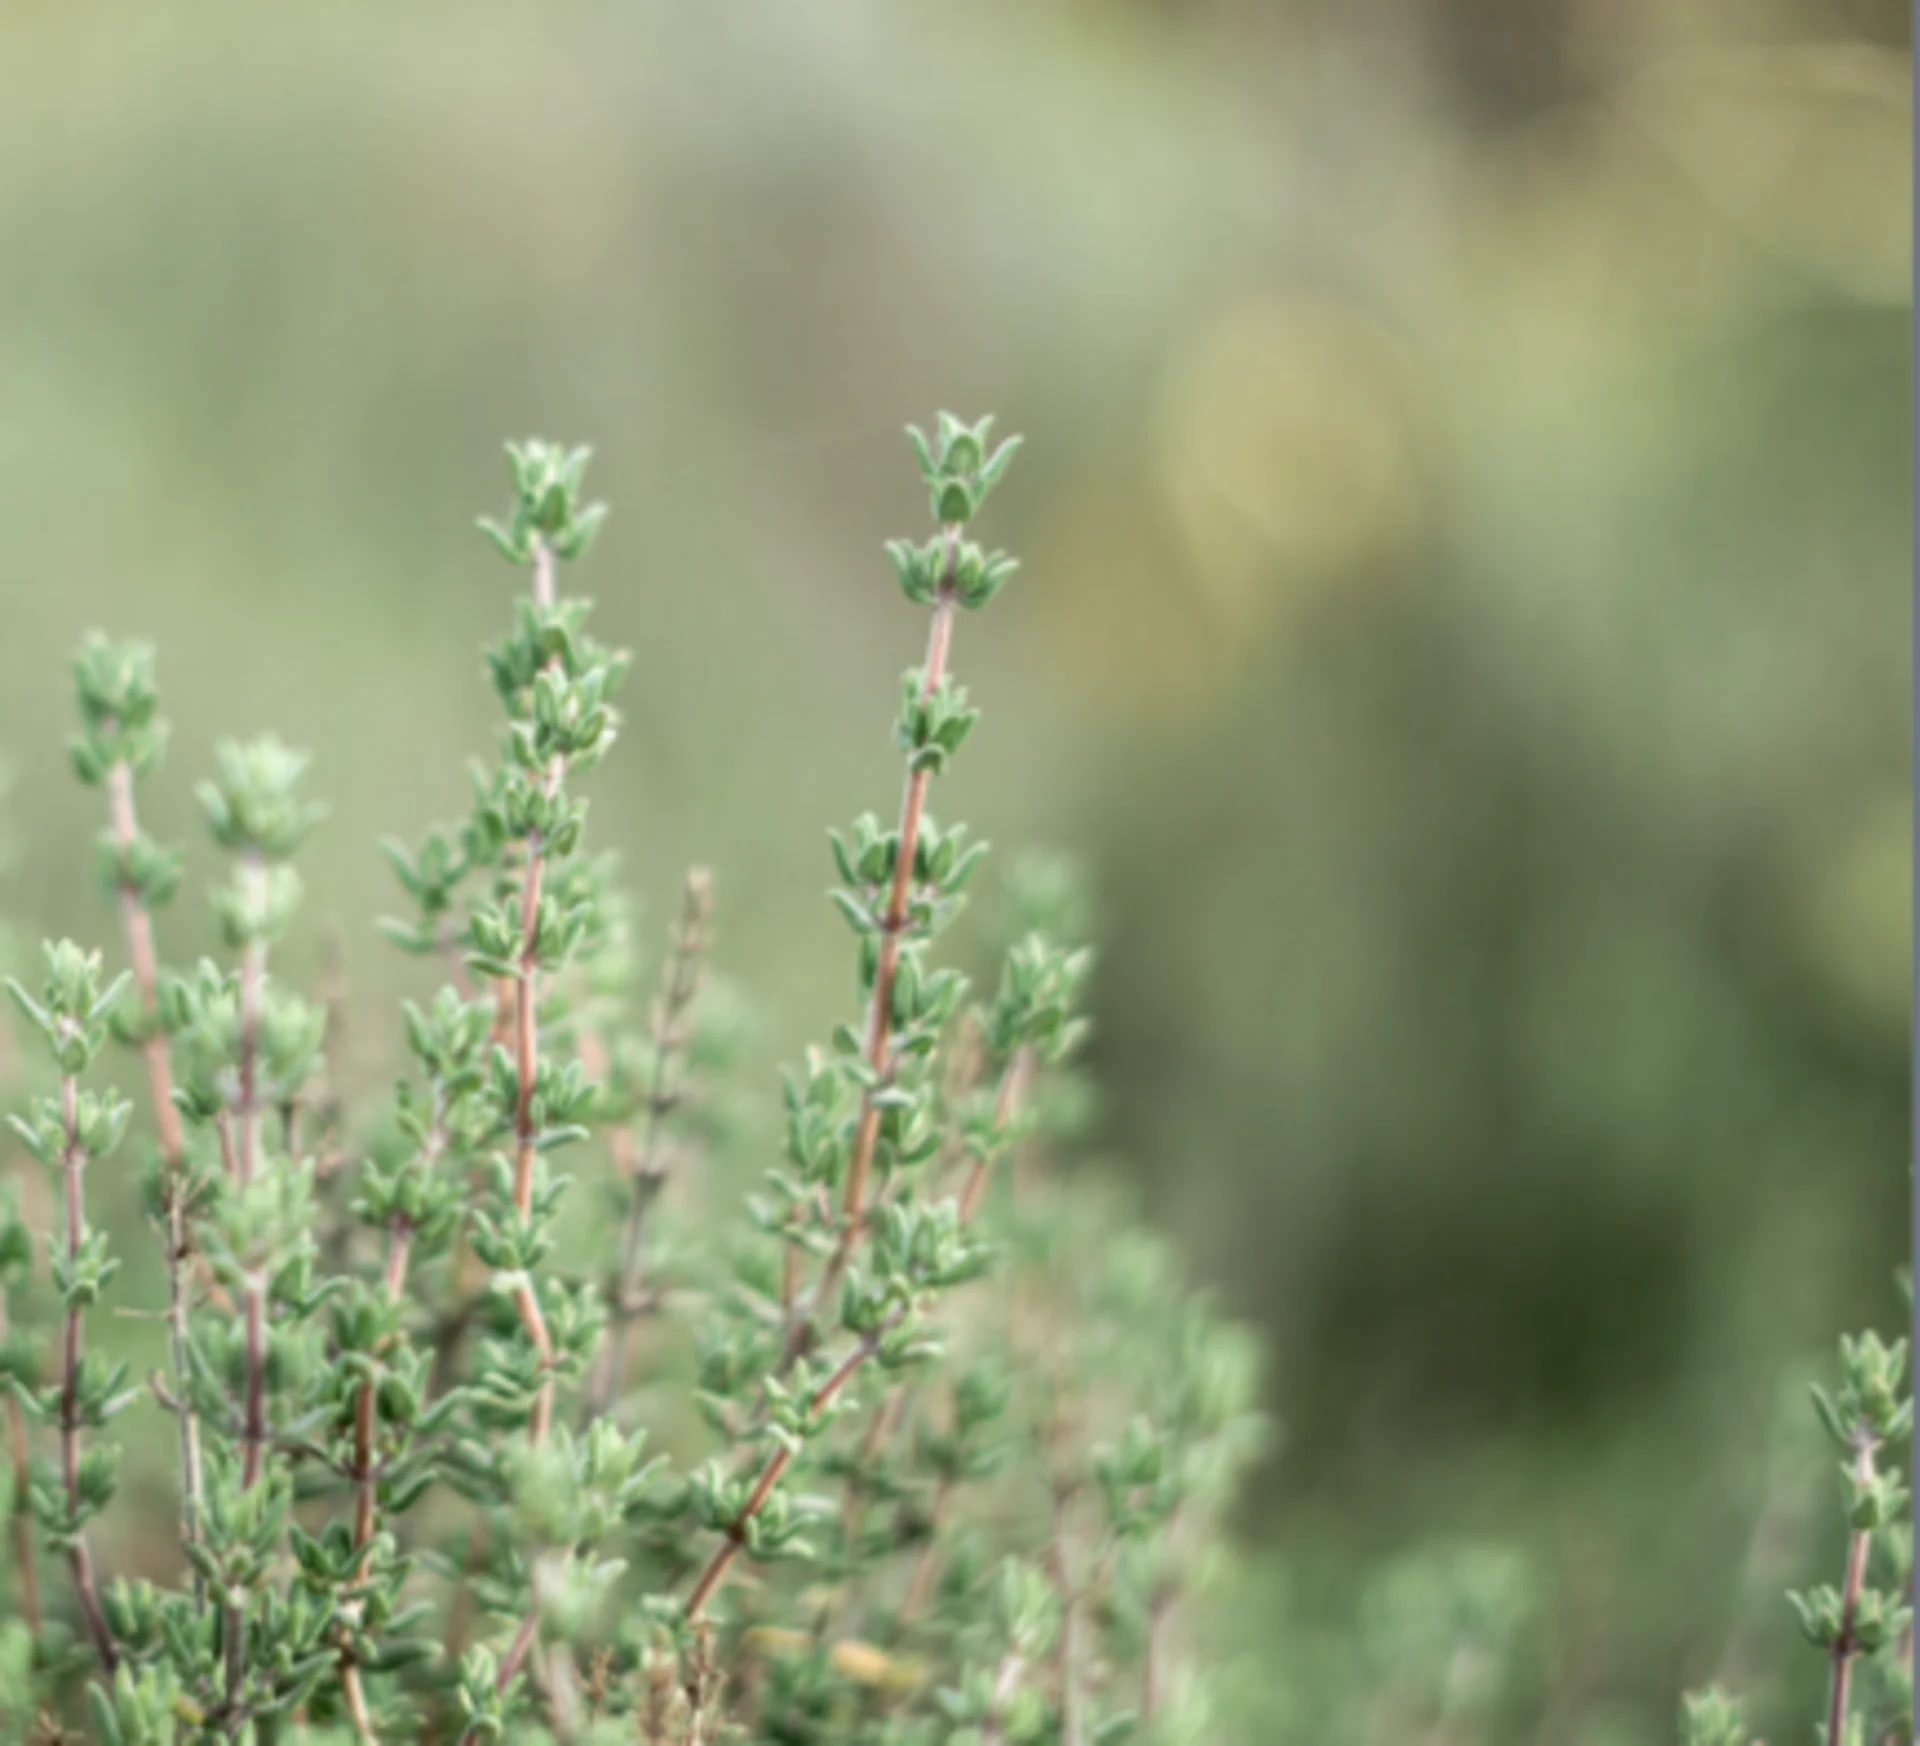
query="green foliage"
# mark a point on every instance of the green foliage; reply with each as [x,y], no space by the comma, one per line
[1864,1626]
[448,1472]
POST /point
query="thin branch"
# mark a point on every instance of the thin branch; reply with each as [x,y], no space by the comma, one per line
[877,1047]
[921,1581]
[1844,1647]
[72,1160]
[137,925]
[646,1169]
[777,1464]
[365,1470]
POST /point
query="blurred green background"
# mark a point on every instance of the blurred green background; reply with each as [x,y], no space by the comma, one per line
[1465,626]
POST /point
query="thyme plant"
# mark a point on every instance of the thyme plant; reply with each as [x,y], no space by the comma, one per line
[1863,1626]
[459,1454]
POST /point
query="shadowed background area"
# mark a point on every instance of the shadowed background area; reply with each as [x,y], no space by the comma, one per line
[1464,628]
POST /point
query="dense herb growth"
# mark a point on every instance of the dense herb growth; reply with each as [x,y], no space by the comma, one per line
[443,1473]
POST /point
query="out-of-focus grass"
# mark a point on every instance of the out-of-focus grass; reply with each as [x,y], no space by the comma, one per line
[1465,616]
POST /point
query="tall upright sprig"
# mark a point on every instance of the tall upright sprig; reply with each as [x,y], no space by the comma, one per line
[556,684]
[121,739]
[867,1113]
[256,813]
[901,885]
[1870,1414]
[243,1045]
[66,1132]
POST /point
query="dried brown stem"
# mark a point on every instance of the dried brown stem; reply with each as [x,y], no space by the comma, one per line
[526,1059]
[72,1161]
[357,1704]
[646,1168]
[524,1637]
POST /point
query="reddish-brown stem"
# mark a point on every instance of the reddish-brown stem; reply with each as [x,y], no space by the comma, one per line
[19,1525]
[1844,1647]
[526,1058]
[364,1490]
[72,1161]
[892,927]
[356,1703]
[878,1041]
[528,1307]
[776,1465]
[645,1168]
[526,1055]
[517,1649]
[137,925]
[395,1281]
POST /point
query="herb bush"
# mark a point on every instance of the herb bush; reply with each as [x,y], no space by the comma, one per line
[929,1446]
[947,1443]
